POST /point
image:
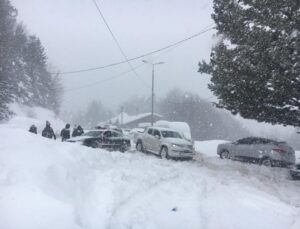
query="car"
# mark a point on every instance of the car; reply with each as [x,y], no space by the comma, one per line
[258,150]
[103,138]
[165,142]
[295,172]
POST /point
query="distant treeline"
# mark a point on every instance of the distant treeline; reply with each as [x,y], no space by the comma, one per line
[24,74]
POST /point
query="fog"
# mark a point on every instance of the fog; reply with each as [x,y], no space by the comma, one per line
[75,38]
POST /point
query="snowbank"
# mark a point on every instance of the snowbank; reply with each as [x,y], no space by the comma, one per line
[50,184]
[26,116]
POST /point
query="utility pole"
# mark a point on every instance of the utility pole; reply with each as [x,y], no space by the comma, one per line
[152,89]
[122,116]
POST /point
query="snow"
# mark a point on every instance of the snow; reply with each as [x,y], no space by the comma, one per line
[182,127]
[26,116]
[52,184]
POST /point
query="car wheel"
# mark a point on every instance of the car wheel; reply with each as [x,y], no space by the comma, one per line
[164,153]
[225,154]
[139,146]
[123,148]
[94,145]
[266,162]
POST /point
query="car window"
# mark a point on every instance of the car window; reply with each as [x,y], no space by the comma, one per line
[108,134]
[170,134]
[245,141]
[116,134]
[93,133]
[150,131]
[156,132]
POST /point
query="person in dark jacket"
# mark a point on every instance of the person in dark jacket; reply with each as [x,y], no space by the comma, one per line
[48,131]
[77,131]
[33,129]
[65,133]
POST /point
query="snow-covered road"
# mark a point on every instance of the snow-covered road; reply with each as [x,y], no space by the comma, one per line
[49,184]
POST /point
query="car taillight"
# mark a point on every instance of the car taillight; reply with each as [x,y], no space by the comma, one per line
[278,150]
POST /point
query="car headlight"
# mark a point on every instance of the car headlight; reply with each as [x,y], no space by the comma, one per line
[175,145]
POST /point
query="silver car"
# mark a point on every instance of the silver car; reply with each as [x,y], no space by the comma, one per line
[258,150]
[165,142]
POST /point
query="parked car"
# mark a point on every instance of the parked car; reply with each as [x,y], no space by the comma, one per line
[258,150]
[295,172]
[103,138]
[165,142]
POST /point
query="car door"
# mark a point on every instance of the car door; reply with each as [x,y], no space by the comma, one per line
[242,149]
[147,139]
[107,135]
[155,142]
[259,149]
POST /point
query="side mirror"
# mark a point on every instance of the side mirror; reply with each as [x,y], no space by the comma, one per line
[157,136]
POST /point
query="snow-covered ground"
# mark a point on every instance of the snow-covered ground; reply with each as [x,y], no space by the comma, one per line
[50,184]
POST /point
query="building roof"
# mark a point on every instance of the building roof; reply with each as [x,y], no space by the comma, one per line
[129,118]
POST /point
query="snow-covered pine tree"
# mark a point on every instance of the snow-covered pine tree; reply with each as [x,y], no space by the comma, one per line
[255,67]
[24,75]
[7,24]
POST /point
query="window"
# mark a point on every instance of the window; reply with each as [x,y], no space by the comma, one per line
[170,134]
[93,133]
[150,131]
[156,132]
[116,134]
[247,141]
[107,134]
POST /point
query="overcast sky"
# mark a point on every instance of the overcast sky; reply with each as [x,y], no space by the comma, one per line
[75,37]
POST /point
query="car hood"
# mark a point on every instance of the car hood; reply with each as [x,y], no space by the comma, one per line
[178,141]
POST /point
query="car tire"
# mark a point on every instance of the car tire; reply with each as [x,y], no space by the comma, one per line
[123,148]
[266,162]
[224,154]
[139,146]
[94,145]
[164,153]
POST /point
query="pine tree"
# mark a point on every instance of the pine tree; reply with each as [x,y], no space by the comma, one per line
[255,67]
[7,25]
[24,75]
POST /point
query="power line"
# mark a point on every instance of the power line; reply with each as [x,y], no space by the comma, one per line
[116,76]
[118,44]
[206,29]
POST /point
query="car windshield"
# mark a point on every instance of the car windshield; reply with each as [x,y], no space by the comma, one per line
[93,133]
[170,134]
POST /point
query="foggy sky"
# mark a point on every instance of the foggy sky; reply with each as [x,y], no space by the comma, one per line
[75,37]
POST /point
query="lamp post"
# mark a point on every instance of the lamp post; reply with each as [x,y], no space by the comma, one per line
[152,96]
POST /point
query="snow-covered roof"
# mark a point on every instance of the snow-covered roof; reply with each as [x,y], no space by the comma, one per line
[129,118]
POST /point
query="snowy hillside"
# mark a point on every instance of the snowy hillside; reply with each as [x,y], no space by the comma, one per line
[49,184]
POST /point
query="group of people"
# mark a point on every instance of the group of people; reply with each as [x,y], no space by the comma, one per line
[65,132]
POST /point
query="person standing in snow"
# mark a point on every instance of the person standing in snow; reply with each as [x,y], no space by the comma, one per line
[77,131]
[33,129]
[48,131]
[65,133]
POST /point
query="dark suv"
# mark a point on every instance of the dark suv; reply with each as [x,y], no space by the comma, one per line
[104,138]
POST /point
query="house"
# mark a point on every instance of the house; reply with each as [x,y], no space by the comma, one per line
[132,121]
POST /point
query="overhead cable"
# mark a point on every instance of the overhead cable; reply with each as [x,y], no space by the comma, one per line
[137,57]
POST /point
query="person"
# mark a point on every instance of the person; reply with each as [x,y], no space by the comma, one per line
[65,133]
[48,131]
[33,129]
[77,131]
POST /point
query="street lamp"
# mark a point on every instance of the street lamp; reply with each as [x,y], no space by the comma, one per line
[152,100]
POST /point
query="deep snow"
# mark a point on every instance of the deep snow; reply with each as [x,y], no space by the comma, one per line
[50,184]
